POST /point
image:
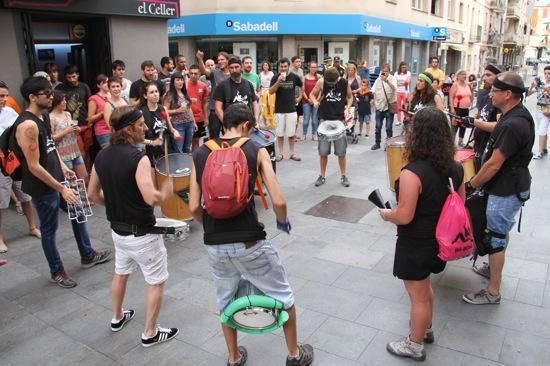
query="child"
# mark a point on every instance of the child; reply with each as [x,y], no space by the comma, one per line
[364,99]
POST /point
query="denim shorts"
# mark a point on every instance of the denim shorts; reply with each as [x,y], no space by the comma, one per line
[501,216]
[72,163]
[260,265]
[364,118]
[103,140]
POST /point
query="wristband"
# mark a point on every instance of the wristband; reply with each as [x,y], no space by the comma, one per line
[285,226]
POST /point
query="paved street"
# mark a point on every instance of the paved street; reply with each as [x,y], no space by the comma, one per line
[349,304]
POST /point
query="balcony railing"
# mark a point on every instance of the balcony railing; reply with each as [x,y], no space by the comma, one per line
[497,5]
[512,38]
[513,11]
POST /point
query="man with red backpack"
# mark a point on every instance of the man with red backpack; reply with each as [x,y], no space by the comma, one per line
[222,183]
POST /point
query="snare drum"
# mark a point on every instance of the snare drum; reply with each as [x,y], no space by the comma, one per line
[466,158]
[176,206]
[395,158]
[331,130]
[181,229]
[266,139]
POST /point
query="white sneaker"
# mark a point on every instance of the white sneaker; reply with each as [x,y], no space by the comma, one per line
[538,156]
[407,348]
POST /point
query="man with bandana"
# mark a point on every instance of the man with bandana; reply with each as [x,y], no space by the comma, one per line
[505,177]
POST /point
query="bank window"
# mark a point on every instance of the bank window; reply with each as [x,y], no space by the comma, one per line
[418,4]
[461,13]
[451,11]
[436,7]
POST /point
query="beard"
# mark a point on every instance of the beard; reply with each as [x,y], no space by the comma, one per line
[235,75]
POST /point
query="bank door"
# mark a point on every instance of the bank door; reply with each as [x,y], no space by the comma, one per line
[242,49]
[340,49]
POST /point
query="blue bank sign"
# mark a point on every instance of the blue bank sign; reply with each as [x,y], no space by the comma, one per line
[276,24]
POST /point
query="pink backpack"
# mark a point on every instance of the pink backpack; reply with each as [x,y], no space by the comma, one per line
[453,231]
[225,180]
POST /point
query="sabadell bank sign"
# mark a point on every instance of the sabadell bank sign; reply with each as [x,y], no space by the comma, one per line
[252,27]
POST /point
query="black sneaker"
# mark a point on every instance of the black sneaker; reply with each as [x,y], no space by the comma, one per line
[305,359]
[375,147]
[96,258]
[244,357]
[127,315]
[345,181]
[163,335]
[62,279]
[320,181]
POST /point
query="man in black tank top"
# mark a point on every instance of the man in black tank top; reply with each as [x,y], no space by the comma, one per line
[121,180]
[242,239]
[42,172]
[332,95]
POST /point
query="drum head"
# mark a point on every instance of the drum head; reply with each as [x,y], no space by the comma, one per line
[166,222]
[180,165]
[463,154]
[263,137]
[255,318]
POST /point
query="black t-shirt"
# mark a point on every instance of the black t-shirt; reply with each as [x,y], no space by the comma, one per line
[116,168]
[363,103]
[430,202]
[514,136]
[487,113]
[137,88]
[417,104]
[48,159]
[77,101]
[243,227]
[333,101]
[285,100]
[156,125]
[229,92]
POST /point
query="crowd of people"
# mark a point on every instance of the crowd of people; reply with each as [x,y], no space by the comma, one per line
[113,138]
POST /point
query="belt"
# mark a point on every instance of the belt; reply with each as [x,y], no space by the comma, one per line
[136,230]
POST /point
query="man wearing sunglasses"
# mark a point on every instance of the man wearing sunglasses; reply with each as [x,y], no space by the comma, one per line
[505,177]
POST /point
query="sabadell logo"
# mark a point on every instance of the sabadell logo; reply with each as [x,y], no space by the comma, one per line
[252,27]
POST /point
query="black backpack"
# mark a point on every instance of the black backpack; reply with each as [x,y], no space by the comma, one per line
[9,162]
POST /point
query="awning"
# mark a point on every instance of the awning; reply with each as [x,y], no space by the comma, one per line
[456,47]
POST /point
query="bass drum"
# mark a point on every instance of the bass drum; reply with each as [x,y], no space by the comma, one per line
[266,139]
[395,158]
[176,206]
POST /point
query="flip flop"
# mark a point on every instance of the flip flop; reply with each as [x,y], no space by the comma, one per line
[35,232]
[280,157]
[295,157]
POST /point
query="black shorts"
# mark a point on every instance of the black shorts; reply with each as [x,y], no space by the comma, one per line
[415,259]
[201,130]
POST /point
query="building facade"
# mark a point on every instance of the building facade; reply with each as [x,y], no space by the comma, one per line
[539,42]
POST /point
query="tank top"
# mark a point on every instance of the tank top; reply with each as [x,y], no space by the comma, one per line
[243,227]
[333,102]
[402,85]
[309,84]
[116,168]
[48,156]
[463,96]
[100,126]
[67,146]
[354,85]
[430,202]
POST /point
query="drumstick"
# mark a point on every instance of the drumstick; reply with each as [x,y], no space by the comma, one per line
[261,192]
[166,157]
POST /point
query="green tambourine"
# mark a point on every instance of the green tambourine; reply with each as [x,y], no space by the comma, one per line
[255,314]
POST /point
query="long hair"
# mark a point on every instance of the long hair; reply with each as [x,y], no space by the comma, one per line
[431,139]
[173,93]
[401,64]
[143,91]
[427,94]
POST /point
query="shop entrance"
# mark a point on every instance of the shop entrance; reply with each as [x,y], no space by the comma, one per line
[309,55]
[63,40]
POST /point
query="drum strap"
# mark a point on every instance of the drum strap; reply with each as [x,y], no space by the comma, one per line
[140,230]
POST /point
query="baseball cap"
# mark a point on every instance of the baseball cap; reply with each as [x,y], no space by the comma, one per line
[336,58]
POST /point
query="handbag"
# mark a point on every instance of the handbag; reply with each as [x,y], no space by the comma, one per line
[392,107]
[453,231]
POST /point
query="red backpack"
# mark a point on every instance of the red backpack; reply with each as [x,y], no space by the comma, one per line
[225,179]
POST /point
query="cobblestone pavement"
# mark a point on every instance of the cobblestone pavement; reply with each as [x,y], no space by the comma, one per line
[349,304]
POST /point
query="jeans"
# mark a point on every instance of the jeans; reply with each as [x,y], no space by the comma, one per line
[380,116]
[214,125]
[310,113]
[47,208]
[501,216]
[186,131]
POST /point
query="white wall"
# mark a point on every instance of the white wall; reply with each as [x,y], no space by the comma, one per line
[14,69]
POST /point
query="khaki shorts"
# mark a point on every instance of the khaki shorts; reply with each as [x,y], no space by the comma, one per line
[6,186]
[147,251]
[285,124]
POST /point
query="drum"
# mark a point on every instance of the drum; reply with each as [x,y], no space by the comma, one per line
[266,139]
[331,130]
[466,158]
[176,206]
[181,229]
[395,158]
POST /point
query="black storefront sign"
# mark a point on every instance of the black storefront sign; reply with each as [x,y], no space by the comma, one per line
[144,8]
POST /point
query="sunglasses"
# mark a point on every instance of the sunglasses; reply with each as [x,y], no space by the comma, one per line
[47,93]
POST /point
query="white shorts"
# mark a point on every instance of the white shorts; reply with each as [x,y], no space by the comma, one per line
[147,251]
[6,186]
[285,124]
[544,123]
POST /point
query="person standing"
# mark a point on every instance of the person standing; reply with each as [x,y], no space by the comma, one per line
[115,98]
[423,190]
[423,96]
[7,185]
[51,69]
[337,64]
[332,95]
[237,246]
[178,105]
[148,72]
[460,101]
[436,72]
[505,177]
[121,180]
[118,69]
[403,78]
[166,69]
[543,102]
[249,74]
[198,93]
[96,105]
[384,90]
[42,172]
[365,100]
[363,71]
[310,111]
[284,85]
[180,64]
[267,99]
[76,93]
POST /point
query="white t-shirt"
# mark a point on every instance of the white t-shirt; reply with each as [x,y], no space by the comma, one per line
[7,118]
[403,81]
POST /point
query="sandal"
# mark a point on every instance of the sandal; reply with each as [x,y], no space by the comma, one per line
[314,138]
[35,232]
[280,157]
[295,157]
